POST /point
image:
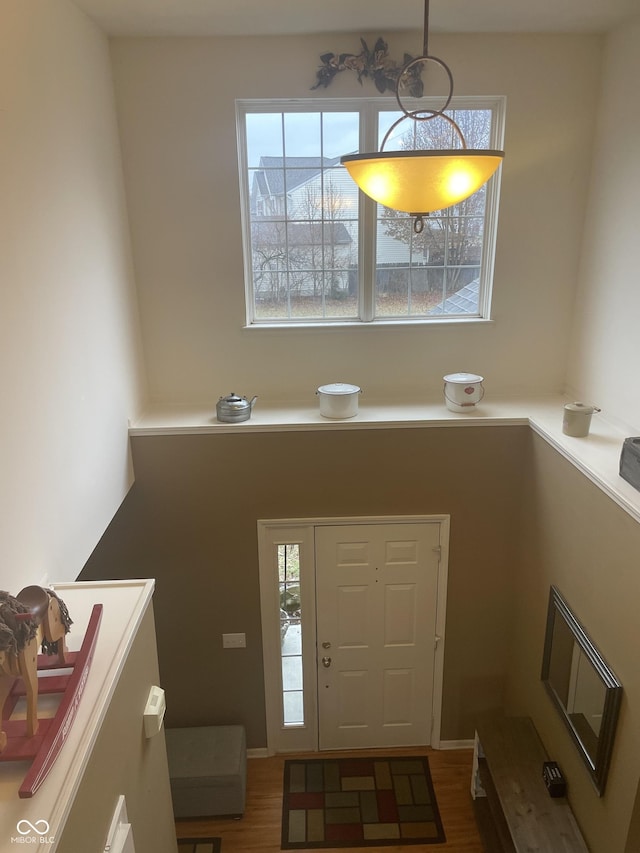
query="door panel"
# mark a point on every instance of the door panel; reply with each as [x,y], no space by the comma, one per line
[376,597]
[398,697]
[353,606]
[352,693]
[400,615]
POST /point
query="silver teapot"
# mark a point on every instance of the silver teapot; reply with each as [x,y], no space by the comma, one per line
[233,409]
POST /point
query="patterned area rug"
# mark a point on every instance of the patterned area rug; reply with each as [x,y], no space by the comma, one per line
[359,802]
[198,845]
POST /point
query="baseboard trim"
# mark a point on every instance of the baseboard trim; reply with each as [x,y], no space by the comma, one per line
[263,752]
[456,744]
[260,752]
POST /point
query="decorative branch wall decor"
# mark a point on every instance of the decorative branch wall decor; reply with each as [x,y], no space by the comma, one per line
[373,64]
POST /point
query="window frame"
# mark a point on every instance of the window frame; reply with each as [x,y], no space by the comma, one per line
[368,110]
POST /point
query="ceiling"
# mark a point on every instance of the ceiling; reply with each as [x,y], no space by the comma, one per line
[278,17]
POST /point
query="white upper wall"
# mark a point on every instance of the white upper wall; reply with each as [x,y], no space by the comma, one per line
[605,352]
[69,362]
[177,119]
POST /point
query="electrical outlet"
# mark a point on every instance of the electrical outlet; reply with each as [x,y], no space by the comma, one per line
[234,641]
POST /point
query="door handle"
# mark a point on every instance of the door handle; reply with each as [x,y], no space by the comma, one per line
[326,662]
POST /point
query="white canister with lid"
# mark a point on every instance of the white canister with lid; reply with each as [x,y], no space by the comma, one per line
[338,400]
[576,419]
[463,391]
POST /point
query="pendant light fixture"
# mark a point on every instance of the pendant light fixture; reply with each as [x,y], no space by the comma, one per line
[419,182]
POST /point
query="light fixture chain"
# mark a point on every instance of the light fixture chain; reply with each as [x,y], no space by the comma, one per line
[425,37]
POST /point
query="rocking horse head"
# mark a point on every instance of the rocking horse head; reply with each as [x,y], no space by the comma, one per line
[49,611]
[33,610]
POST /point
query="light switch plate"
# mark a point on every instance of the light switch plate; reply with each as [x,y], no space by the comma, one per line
[234,641]
[154,711]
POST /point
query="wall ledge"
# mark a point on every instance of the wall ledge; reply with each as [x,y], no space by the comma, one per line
[597,456]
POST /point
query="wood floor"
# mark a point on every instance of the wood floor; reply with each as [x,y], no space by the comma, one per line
[259,830]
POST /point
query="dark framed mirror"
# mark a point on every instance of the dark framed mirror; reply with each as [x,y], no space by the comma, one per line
[583,688]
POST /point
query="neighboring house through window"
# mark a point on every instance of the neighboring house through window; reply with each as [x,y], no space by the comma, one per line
[318,251]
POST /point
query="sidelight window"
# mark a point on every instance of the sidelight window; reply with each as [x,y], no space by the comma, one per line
[287,606]
[291,634]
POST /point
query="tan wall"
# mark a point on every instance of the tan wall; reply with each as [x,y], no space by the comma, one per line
[190,522]
[575,537]
[124,761]
[176,109]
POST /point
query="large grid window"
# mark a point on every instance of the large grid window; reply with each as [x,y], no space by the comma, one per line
[318,251]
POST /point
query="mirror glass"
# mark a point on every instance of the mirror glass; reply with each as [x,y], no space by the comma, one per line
[581,685]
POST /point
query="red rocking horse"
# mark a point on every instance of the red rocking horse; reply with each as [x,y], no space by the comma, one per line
[36,616]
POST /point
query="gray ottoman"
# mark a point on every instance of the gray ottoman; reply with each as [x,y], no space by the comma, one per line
[208,770]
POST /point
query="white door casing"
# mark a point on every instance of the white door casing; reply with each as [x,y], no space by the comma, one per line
[412,648]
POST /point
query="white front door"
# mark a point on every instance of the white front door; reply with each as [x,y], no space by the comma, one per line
[376,601]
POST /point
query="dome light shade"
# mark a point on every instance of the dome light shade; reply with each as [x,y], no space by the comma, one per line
[423,180]
[420,182]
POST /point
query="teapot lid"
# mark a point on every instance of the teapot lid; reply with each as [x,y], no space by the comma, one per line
[233,402]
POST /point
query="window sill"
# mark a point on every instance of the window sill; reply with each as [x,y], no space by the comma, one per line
[391,322]
[597,455]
